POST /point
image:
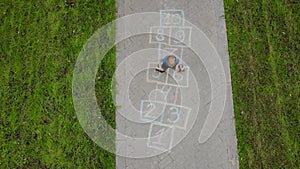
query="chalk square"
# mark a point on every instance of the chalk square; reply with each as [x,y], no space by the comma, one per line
[178,79]
[176,116]
[155,76]
[180,36]
[171,17]
[160,137]
[159,34]
[151,110]
[168,94]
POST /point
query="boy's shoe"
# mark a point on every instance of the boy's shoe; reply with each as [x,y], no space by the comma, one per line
[159,69]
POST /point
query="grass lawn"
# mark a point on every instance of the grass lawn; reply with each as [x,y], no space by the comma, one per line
[264,53]
[40,42]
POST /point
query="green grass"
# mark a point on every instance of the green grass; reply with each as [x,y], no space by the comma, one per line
[40,42]
[265,65]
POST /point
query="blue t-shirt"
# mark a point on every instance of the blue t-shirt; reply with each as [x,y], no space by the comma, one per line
[165,63]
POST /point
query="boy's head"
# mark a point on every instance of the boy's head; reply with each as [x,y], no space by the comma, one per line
[171,61]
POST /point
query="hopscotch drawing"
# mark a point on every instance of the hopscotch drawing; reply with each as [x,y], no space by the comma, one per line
[162,109]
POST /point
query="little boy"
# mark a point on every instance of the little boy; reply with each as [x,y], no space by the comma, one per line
[169,61]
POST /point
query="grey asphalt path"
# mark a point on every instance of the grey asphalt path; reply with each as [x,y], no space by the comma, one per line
[220,150]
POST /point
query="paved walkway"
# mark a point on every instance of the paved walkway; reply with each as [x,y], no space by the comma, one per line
[174,113]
